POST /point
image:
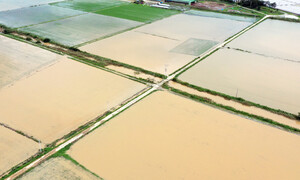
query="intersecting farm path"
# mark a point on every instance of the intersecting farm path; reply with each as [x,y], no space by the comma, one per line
[130,103]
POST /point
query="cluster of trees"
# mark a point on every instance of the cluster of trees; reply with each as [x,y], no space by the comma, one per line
[253,3]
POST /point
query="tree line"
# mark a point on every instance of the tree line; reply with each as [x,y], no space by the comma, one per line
[254,4]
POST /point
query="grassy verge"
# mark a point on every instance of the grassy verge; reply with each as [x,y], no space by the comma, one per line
[231,109]
[286,19]
[63,153]
[238,99]
[27,162]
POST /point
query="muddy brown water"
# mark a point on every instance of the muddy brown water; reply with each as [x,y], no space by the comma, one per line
[239,106]
[141,50]
[14,148]
[18,59]
[263,80]
[272,38]
[61,97]
[165,136]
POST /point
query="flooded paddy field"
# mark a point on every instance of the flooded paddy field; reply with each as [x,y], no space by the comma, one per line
[137,12]
[166,45]
[239,106]
[273,38]
[61,97]
[268,81]
[18,59]
[142,50]
[184,26]
[73,31]
[6,5]
[165,136]
[221,15]
[58,169]
[35,15]
[90,5]
[14,148]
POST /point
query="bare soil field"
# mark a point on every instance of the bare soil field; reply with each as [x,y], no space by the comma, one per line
[272,38]
[211,5]
[58,169]
[264,80]
[14,148]
[165,136]
[61,97]
[19,59]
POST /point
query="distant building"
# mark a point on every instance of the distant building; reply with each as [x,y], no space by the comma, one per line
[189,2]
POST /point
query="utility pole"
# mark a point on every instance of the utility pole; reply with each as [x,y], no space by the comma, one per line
[237,91]
[166,69]
[40,146]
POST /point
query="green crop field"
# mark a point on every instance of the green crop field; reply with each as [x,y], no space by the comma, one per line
[137,12]
[90,5]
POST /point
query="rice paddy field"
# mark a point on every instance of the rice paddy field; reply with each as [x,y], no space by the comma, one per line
[273,38]
[264,80]
[221,15]
[142,50]
[165,136]
[58,99]
[90,5]
[184,26]
[73,31]
[45,97]
[6,5]
[18,60]
[135,12]
[238,106]
[35,15]
[14,148]
[58,168]
[166,45]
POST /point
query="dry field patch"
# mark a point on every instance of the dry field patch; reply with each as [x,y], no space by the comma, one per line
[58,169]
